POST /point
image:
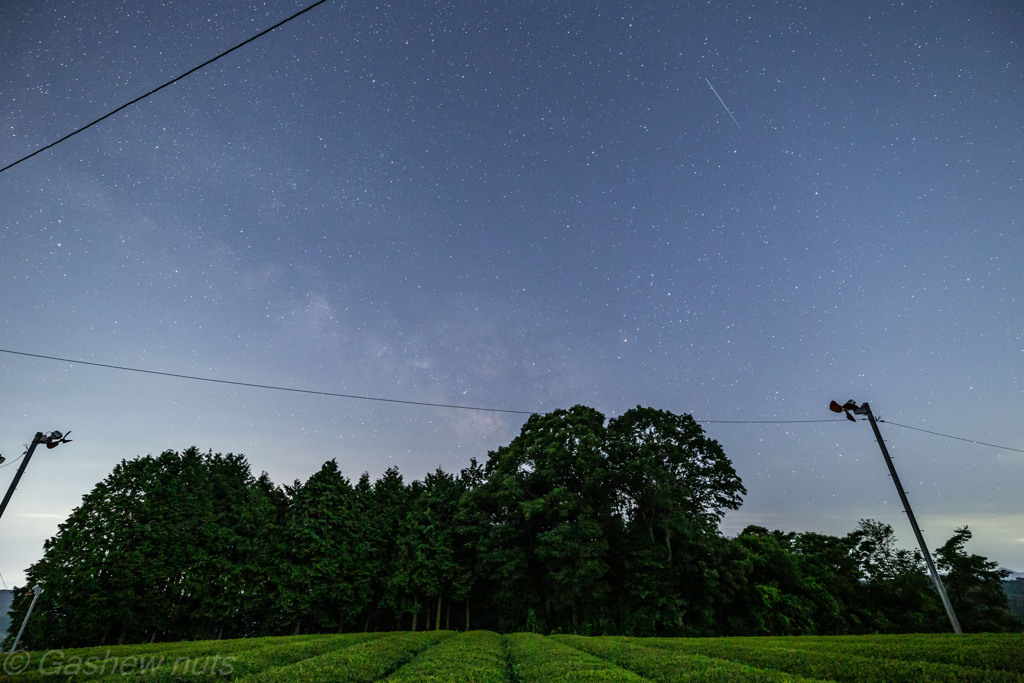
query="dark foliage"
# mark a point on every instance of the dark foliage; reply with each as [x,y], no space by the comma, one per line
[578,525]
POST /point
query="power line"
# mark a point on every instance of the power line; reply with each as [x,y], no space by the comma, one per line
[12,462]
[158,89]
[766,422]
[949,436]
[351,396]
[269,386]
[439,405]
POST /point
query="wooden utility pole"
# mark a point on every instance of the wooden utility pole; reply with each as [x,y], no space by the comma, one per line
[52,440]
[865,409]
[21,470]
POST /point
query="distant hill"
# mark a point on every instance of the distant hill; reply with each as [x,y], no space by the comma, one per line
[1015,592]
[6,598]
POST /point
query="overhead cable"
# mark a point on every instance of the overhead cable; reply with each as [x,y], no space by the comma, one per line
[350,396]
[158,89]
[8,464]
[442,405]
[268,386]
[949,436]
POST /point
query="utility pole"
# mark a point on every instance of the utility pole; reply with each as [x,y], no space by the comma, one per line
[52,440]
[24,622]
[21,470]
[865,409]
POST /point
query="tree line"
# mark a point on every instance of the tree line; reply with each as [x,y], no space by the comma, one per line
[578,525]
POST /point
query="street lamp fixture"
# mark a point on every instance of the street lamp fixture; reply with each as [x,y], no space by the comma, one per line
[55,438]
[848,407]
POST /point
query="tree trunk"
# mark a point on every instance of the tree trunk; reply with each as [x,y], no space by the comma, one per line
[668,546]
[437,619]
[415,611]
[467,614]
[448,616]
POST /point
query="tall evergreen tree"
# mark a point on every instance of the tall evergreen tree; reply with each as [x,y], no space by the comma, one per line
[434,519]
[320,539]
[471,527]
[395,602]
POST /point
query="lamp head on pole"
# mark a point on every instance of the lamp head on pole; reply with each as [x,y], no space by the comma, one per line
[848,408]
[55,438]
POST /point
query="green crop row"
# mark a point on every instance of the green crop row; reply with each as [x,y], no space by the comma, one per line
[832,663]
[49,659]
[664,664]
[209,659]
[285,654]
[982,650]
[239,663]
[101,660]
[366,661]
[536,658]
[473,657]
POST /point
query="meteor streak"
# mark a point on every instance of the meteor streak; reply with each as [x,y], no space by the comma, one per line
[723,103]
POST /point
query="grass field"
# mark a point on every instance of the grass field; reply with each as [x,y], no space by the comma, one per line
[488,657]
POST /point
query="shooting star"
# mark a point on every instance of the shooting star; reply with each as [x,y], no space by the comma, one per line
[723,103]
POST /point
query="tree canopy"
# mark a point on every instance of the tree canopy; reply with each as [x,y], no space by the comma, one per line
[578,525]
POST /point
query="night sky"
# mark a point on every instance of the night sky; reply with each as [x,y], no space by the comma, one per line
[736,210]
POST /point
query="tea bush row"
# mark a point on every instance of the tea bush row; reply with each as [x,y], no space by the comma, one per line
[677,666]
[476,656]
[828,659]
[363,662]
[535,658]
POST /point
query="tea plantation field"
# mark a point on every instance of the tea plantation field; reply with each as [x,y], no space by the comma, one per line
[485,657]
